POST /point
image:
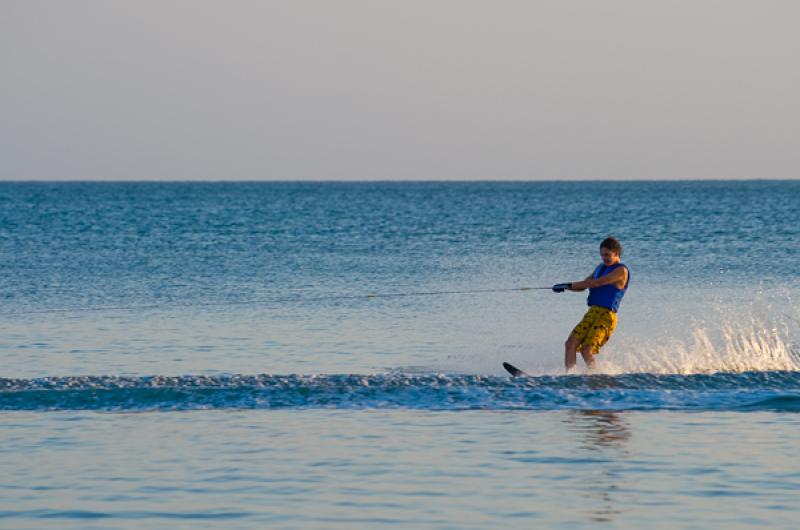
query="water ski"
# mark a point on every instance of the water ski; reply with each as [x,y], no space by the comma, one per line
[513,370]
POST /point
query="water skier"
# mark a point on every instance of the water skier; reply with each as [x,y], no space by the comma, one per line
[607,285]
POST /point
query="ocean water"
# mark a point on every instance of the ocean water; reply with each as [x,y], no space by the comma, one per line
[328,355]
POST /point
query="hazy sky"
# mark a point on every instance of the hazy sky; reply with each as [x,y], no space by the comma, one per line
[407,89]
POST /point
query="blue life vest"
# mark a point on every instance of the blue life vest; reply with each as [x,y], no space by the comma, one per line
[608,296]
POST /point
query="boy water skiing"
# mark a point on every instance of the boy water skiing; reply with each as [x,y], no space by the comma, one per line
[607,285]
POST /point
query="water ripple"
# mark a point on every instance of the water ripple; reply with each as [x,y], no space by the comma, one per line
[722,391]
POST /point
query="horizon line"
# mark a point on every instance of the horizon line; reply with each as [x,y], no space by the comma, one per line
[399,181]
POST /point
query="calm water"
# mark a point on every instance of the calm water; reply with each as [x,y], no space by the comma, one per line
[245,356]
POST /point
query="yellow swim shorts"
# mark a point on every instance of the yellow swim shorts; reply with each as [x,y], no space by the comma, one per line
[596,328]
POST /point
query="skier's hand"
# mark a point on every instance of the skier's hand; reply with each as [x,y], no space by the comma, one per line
[561,287]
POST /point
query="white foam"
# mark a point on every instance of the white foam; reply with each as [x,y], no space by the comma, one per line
[753,346]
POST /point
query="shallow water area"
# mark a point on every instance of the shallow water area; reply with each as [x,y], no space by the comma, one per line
[400,469]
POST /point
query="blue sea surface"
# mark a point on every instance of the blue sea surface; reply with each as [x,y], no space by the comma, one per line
[328,355]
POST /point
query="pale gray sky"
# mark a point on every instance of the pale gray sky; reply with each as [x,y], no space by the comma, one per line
[407,89]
